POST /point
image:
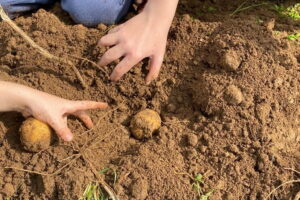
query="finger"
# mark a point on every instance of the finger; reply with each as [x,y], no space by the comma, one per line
[108,40]
[85,118]
[155,65]
[63,131]
[111,55]
[85,105]
[123,67]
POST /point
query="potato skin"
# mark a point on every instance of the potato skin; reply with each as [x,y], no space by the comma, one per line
[35,135]
[144,123]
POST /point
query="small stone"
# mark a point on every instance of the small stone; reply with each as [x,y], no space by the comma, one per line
[192,140]
[233,95]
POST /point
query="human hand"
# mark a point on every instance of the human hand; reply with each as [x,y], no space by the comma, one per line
[145,35]
[54,111]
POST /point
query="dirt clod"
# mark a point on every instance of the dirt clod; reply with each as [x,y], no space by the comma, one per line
[192,140]
[8,189]
[233,95]
[230,60]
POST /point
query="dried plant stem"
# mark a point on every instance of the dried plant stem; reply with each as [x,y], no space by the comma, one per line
[47,174]
[42,51]
[285,183]
[108,189]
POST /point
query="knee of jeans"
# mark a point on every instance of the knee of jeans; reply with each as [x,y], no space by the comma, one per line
[94,12]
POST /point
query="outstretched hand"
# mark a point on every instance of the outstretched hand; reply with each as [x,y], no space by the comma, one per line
[54,111]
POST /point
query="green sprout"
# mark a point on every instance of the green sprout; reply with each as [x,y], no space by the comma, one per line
[211,9]
[94,192]
[197,182]
[259,21]
[293,37]
[292,12]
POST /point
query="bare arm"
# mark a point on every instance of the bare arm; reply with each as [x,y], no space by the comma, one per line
[145,35]
[45,107]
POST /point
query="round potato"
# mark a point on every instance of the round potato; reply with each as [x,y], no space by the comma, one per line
[35,135]
[144,124]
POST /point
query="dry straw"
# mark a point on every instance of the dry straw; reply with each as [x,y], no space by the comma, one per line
[42,51]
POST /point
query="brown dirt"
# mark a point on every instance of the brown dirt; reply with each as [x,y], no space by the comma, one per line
[228,95]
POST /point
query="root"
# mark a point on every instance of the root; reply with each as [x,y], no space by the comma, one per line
[108,189]
[285,183]
[42,51]
[91,62]
[44,173]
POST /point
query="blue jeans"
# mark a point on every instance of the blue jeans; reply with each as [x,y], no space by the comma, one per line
[87,12]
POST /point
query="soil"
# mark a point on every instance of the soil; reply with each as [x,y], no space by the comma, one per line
[228,96]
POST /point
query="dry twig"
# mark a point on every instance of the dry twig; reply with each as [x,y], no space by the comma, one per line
[42,51]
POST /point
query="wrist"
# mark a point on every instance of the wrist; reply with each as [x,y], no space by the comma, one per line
[14,97]
[161,12]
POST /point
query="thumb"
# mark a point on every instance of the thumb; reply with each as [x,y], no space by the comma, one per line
[63,131]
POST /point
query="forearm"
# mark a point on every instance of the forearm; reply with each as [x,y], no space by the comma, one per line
[161,11]
[14,97]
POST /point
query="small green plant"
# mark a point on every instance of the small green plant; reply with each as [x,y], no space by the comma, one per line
[292,12]
[103,171]
[197,186]
[94,192]
[211,9]
[259,21]
[293,37]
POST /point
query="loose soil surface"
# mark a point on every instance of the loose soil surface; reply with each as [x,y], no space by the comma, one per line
[228,95]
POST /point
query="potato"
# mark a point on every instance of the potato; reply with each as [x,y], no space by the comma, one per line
[144,124]
[35,135]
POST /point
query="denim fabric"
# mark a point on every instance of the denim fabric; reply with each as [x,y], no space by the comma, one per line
[15,7]
[93,12]
[87,12]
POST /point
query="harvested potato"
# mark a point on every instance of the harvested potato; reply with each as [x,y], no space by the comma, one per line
[144,124]
[35,135]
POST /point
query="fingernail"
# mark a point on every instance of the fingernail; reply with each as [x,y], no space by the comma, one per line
[68,138]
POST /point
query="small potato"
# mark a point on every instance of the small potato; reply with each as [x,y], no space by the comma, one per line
[144,124]
[35,135]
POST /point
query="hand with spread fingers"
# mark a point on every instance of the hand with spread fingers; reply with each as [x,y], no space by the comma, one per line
[46,107]
[145,35]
